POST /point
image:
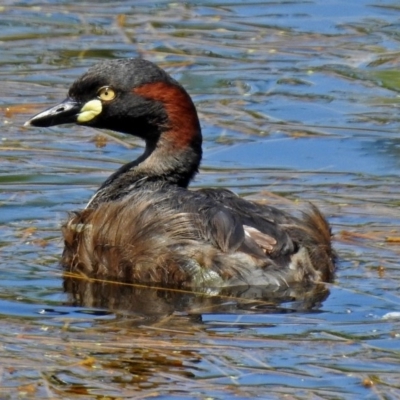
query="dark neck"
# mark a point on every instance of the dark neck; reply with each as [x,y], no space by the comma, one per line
[161,162]
[172,133]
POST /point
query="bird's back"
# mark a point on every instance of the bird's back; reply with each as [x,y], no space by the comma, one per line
[169,235]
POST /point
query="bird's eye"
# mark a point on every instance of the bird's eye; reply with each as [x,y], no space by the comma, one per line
[106,93]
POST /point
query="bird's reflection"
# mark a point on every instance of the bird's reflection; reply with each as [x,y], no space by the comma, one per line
[155,303]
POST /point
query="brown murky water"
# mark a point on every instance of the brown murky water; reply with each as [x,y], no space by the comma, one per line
[296,98]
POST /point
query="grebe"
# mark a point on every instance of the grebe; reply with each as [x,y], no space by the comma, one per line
[144,225]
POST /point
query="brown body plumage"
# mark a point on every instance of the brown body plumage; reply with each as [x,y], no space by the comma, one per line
[144,225]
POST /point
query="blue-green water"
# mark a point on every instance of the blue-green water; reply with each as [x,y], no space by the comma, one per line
[297,98]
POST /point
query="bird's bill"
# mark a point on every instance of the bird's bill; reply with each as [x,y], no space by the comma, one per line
[66,112]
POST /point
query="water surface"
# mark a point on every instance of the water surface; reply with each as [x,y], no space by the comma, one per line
[298,98]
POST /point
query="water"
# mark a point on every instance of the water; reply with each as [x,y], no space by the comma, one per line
[296,98]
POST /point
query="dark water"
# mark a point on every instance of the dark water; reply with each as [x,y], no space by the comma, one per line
[299,98]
